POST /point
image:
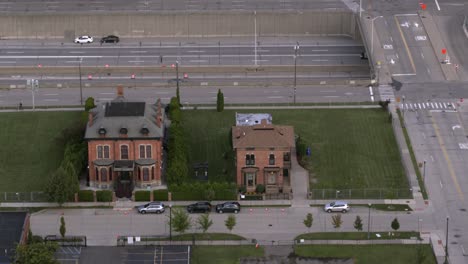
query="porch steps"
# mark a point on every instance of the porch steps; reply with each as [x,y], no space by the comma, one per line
[123,204]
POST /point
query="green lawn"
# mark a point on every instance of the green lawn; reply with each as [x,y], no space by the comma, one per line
[199,236]
[370,254]
[351,148]
[223,254]
[356,235]
[29,152]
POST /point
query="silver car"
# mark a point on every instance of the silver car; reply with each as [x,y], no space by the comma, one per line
[153,207]
[338,206]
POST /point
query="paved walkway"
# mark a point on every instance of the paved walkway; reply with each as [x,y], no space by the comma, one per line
[299,183]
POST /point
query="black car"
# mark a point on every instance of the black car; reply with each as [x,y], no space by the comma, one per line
[199,207]
[228,207]
[110,39]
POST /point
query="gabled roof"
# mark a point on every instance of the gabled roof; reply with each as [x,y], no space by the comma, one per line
[135,119]
[262,136]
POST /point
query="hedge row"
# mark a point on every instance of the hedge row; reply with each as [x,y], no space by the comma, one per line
[160,195]
[142,196]
[85,196]
[204,191]
[104,196]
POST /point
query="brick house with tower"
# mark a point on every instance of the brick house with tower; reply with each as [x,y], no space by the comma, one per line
[263,153]
[125,145]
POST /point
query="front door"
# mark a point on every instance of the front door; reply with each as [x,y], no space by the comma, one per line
[124,184]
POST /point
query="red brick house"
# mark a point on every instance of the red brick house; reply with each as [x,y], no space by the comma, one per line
[263,156]
[125,145]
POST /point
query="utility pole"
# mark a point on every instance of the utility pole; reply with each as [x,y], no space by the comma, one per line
[368,222]
[81,87]
[446,243]
[34,87]
[296,49]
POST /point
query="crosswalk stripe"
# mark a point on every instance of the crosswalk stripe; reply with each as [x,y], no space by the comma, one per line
[445,106]
[432,104]
[424,106]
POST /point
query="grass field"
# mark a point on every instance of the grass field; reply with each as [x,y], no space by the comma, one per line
[29,152]
[369,254]
[356,235]
[223,254]
[351,148]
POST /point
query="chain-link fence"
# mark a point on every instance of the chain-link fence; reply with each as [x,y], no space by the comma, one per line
[326,194]
[17,197]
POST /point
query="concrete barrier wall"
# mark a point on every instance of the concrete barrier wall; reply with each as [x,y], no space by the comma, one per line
[178,24]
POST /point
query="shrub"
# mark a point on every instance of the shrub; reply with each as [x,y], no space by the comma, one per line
[85,196]
[251,197]
[160,195]
[104,196]
[142,196]
[242,189]
[260,188]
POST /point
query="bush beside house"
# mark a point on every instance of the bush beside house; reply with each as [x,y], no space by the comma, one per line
[86,196]
[141,196]
[104,196]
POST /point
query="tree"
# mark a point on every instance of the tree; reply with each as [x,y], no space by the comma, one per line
[230,222]
[395,224]
[308,221]
[220,101]
[63,228]
[204,222]
[36,253]
[180,221]
[89,104]
[178,96]
[336,221]
[57,189]
[358,223]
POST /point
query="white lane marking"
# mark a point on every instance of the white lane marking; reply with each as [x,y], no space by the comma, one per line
[432,105]
[428,71]
[51,100]
[441,185]
[432,158]
[331,96]
[403,74]
[328,91]
[107,93]
[198,60]
[438,6]
[319,60]
[422,55]
[372,98]
[15,52]
[259,60]
[162,92]
[406,15]
[106,99]
[423,105]
[196,51]
[138,51]
[319,50]
[51,94]
[275,97]
[445,106]
[137,61]
[391,39]
[7,61]
[263,50]
[76,52]
[370,91]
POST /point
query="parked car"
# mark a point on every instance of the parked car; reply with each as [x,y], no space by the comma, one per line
[110,39]
[199,207]
[338,206]
[228,207]
[153,207]
[84,39]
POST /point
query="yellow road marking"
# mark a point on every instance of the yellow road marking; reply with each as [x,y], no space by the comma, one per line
[406,44]
[447,159]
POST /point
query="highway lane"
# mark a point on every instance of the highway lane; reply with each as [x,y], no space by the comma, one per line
[100,6]
[211,54]
[190,94]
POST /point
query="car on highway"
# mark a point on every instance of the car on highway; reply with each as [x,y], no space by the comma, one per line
[199,207]
[110,39]
[153,207]
[84,39]
[228,207]
[337,206]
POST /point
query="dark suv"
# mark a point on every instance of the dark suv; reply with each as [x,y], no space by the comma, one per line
[199,207]
[110,39]
[228,207]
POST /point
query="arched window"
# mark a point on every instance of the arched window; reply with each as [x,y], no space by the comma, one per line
[103,174]
[145,174]
[124,152]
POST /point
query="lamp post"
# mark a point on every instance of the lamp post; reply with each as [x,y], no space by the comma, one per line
[368,222]
[372,34]
[360,4]
[81,87]
[296,50]
[170,222]
[177,74]
[446,243]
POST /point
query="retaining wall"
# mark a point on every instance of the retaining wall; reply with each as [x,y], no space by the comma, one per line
[182,24]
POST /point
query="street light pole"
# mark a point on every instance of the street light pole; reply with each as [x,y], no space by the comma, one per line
[446,243]
[81,87]
[296,49]
[372,34]
[360,4]
[177,74]
[368,222]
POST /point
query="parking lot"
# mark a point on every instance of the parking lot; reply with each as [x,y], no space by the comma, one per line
[68,255]
[158,254]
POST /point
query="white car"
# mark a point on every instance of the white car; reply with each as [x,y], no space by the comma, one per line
[338,206]
[84,39]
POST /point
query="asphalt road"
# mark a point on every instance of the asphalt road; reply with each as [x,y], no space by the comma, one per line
[151,54]
[191,95]
[102,6]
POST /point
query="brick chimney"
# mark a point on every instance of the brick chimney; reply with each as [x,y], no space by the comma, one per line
[120,91]
[90,119]
[158,119]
